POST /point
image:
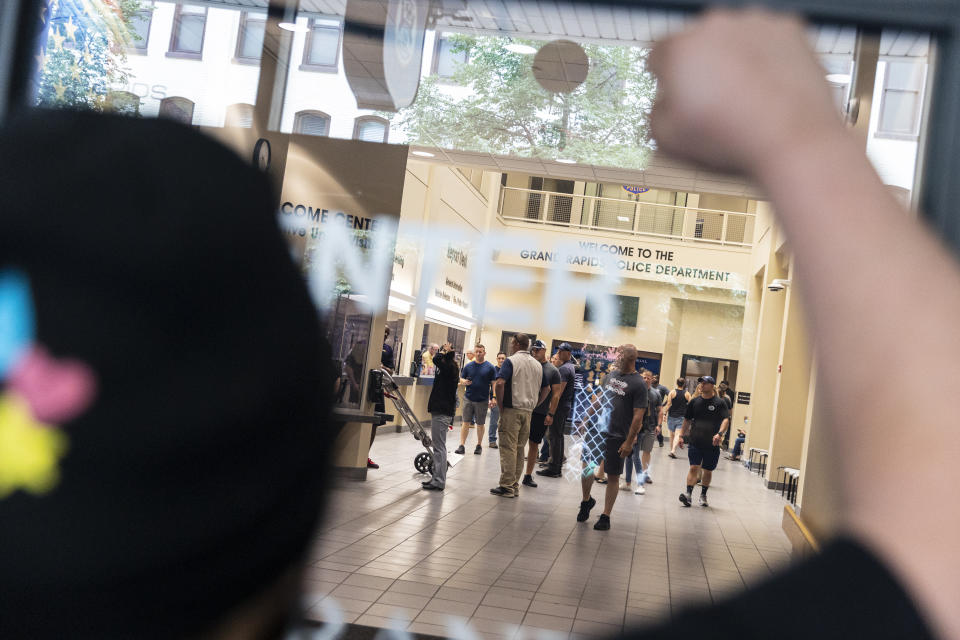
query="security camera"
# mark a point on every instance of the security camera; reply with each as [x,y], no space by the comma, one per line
[778,284]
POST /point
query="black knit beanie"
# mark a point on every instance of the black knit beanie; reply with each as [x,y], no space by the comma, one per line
[163,431]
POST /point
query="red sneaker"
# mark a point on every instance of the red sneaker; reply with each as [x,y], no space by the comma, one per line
[371,464]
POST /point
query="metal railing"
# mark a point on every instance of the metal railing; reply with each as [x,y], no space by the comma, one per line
[621,216]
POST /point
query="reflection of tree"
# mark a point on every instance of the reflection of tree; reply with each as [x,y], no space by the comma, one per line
[604,121]
[84,54]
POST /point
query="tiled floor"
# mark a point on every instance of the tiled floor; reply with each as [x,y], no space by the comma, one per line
[392,555]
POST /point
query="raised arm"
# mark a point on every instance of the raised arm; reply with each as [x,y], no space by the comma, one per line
[742,91]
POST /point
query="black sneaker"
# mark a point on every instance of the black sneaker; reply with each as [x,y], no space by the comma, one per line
[528,481]
[585,510]
[685,499]
[493,445]
[503,493]
[432,487]
[478,450]
[460,450]
[603,523]
[548,473]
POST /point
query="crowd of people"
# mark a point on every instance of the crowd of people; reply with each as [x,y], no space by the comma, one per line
[529,397]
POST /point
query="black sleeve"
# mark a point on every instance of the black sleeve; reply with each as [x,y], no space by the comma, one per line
[842,593]
[688,413]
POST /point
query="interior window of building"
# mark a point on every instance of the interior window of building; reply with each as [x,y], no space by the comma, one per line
[189,25]
[250,36]
[312,123]
[239,115]
[321,50]
[901,100]
[177,108]
[371,129]
[140,28]
[445,59]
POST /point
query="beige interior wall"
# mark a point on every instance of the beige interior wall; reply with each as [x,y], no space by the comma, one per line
[792,390]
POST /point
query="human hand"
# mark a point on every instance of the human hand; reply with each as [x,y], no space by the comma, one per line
[467,382]
[716,440]
[548,420]
[658,430]
[733,101]
[491,404]
[626,449]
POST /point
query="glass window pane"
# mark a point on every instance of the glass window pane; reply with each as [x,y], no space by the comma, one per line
[899,113]
[190,36]
[905,75]
[313,124]
[141,29]
[251,37]
[447,59]
[371,131]
[324,42]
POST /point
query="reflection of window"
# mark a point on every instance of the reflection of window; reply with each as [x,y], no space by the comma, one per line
[322,47]
[186,39]
[176,108]
[901,99]
[371,129]
[140,30]
[445,60]
[312,123]
[240,115]
[123,102]
[250,36]
[475,177]
[838,79]
[349,337]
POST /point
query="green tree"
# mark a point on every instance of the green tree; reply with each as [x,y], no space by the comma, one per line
[84,58]
[500,107]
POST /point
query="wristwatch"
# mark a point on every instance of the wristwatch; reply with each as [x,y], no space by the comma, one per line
[550,414]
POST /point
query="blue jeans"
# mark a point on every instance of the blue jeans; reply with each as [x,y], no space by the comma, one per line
[494,421]
[633,462]
[738,446]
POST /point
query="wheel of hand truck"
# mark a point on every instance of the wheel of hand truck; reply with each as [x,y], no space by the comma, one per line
[423,462]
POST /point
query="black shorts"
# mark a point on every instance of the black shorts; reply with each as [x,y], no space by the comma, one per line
[612,462]
[537,428]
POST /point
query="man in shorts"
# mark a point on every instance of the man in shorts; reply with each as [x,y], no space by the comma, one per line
[663,391]
[477,375]
[675,409]
[627,396]
[546,409]
[650,431]
[706,420]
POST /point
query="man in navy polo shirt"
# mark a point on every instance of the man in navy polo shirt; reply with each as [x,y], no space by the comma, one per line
[477,375]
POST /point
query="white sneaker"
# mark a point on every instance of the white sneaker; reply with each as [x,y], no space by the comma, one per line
[625,486]
[640,490]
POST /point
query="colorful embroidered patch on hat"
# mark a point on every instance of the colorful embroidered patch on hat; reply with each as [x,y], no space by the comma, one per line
[41,392]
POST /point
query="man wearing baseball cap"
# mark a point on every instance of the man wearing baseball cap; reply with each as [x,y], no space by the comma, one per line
[555,430]
[546,409]
[705,422]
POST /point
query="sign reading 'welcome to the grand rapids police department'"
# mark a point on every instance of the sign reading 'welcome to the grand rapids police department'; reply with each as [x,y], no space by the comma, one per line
[628,260]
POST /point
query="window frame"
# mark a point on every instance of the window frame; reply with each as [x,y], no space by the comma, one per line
[169,100]
[435,59]
[244,19]
[297,117]
[305,64]
[134,50]
[914,135]
[360,120]
[172,51]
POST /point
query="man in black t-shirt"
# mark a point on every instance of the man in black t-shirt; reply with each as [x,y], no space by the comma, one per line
[704,423]
[623,400]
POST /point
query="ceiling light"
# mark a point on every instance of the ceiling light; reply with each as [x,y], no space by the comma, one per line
[623,218]
[838,78]
[566,161]
[293,26]
[516,47]
[423,154]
